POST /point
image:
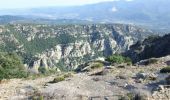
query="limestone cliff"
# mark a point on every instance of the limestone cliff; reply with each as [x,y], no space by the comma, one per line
[67,46]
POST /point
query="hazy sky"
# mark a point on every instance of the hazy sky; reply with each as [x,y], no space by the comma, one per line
[8,4]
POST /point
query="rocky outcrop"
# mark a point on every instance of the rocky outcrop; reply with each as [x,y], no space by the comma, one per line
[109,82]
[153,46]
[67,46]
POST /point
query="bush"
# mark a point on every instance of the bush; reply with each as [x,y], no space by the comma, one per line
[11,66]
[165,70]
[97,65]
[37,97]
[127,60]
[135,96]
[42,70]
[119,59]
[58,79]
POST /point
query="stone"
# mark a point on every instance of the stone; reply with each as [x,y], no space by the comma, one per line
[141,75]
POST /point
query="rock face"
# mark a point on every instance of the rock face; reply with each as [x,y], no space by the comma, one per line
[67,46]
[153,46]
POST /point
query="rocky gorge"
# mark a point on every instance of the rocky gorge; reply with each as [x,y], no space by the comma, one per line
[67,46]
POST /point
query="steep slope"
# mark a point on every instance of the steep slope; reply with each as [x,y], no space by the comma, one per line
[67,46]
[153,46]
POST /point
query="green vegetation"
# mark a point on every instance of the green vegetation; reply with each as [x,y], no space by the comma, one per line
[38,45]
[165,70]
[37,97]
[42,70]
[134,96]
[58,79]
[11,66]
[47,71]
[130,96]
[62,77]
[119,59]
[97,65]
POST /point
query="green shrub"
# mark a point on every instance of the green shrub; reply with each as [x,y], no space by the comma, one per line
[130,96]
[165,70]
[11,66]
[127,60]
[118,59]
[58,79]
[97,65]
[135,96]
[42,70]
[37,97]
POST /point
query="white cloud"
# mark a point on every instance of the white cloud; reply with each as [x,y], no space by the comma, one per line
[114,9]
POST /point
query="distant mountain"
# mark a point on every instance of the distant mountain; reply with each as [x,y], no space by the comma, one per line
[150,13]
[10,19]
[6,19]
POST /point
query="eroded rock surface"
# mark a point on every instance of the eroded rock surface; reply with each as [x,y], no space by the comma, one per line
[113,84]
[67,45]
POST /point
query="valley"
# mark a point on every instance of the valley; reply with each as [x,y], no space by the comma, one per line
[84,50]
[67,46]
[83,62]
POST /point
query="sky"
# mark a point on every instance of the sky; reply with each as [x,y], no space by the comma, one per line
[12,4]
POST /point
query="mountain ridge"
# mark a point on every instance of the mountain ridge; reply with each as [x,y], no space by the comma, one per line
[67,45]
[153,14]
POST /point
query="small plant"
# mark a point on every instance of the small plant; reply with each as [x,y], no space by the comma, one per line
[165,70]
[130,96]
[119,59]
[42,70]
[37,98]
[97,65]
[58,79]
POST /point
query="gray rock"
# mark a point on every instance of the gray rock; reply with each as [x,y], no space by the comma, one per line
[141,75]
